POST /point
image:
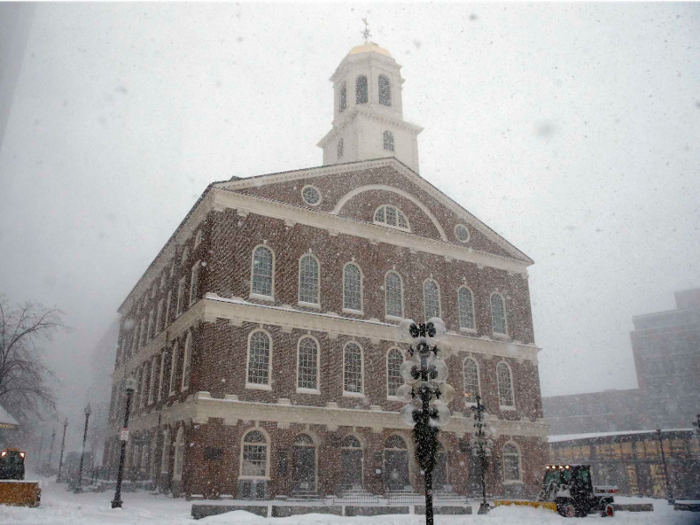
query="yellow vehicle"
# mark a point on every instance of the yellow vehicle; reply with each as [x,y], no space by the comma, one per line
[14,490]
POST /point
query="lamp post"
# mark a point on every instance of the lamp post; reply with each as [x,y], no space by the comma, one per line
[79,486]
[426,393]
[63,444]
[481,445]
[669,488]
[123,437]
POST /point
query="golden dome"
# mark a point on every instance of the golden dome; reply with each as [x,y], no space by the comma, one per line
[368,48]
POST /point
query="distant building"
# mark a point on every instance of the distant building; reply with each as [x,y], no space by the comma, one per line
[666,348]
[632,460]
[264,335]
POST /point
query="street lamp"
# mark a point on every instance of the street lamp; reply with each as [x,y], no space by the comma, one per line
[123,437]
[481,444]
[79,486]
[669,487]
[53,437]
[63,444]
[426,393]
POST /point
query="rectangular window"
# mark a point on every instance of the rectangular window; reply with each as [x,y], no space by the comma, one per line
[159,317]
[194,283]
[161,373]
[152,383]
[168,306]
[144,334]
[180,298]
[254,460]
[151,327]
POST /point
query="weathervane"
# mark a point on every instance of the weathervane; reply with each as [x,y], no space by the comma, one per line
[366,34]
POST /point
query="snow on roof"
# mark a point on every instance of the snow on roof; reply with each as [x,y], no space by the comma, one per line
[571,437]
[7,419]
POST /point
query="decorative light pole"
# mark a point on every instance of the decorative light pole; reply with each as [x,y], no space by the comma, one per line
[669,488]
[481,445]
[123,437]
[79,486]
[63,445]
[426,393]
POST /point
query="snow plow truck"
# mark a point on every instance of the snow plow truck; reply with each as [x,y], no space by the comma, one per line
[14,490]
[569,490]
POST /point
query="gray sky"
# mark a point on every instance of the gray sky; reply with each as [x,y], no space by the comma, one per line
[571,129]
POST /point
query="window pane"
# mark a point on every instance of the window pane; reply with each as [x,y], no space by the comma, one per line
[511,463]
[498,314]
[308,280]
[471,380]
[384,91]
[173,369]
[343,98]
[379,215]
[466,308]
[308,364]
[431,297]
[394,300]
[262,272]
[388,141]
[505,388]
[394,379]
[361,90]
[259,358]
[254,460]
[341,147]
[353,368]
[403,223]
[352,288]
[188,365]
[391,215]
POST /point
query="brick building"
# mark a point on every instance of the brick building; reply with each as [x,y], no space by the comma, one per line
[263,335]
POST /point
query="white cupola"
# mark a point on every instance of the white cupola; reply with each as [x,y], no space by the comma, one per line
[368,111]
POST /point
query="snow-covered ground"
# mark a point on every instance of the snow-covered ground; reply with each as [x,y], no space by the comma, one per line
[60,507]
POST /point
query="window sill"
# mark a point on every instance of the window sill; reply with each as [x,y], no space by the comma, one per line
[393,318]
[315,306]
[513,482]
[256,386]
[467,330]
[502,337]
[270,298]
[510,409]
[354,394]
[311,391]
[353,312]
[254,478]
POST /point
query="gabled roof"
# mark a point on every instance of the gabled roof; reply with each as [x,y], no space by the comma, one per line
[6,420]
[401,168]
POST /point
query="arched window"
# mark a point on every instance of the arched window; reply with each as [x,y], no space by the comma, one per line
[391,216]
[394,295]
[361,90]
[505,385]
[440,476]
[394,360]
[511,463]
[352,288]
[187,363]
[340,148]
[254,456]
[165,455]
[388,141]
[465,305]
[263,272]
[352,369]
[259,348]
[308,280]
[384,90]
[431,298]
[351,442]
[185,255]
[179,453]
[173,370]
[498,314]
[470,369]
[307,364]
[304,464]
[343,98]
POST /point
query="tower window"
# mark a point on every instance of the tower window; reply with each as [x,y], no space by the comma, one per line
[384,91]
[340,148]
[361,90]
[343,98]
[388,141]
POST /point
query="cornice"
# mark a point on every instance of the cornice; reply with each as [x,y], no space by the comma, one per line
[200,407]
[362,111]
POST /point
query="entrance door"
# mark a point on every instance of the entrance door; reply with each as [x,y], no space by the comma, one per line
[396,464]
[440,469]
[304,465]
[351,459]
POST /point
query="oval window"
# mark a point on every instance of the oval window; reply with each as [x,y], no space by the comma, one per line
[311,195]
[462,233]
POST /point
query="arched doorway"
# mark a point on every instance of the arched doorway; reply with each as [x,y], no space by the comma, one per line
[440,469]
[304,464]
[396,464]
[351,459]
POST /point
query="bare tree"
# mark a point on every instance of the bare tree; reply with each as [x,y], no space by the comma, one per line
[25,383]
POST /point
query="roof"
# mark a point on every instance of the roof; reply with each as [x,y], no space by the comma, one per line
[369,47]
[593,435]
[6,420]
